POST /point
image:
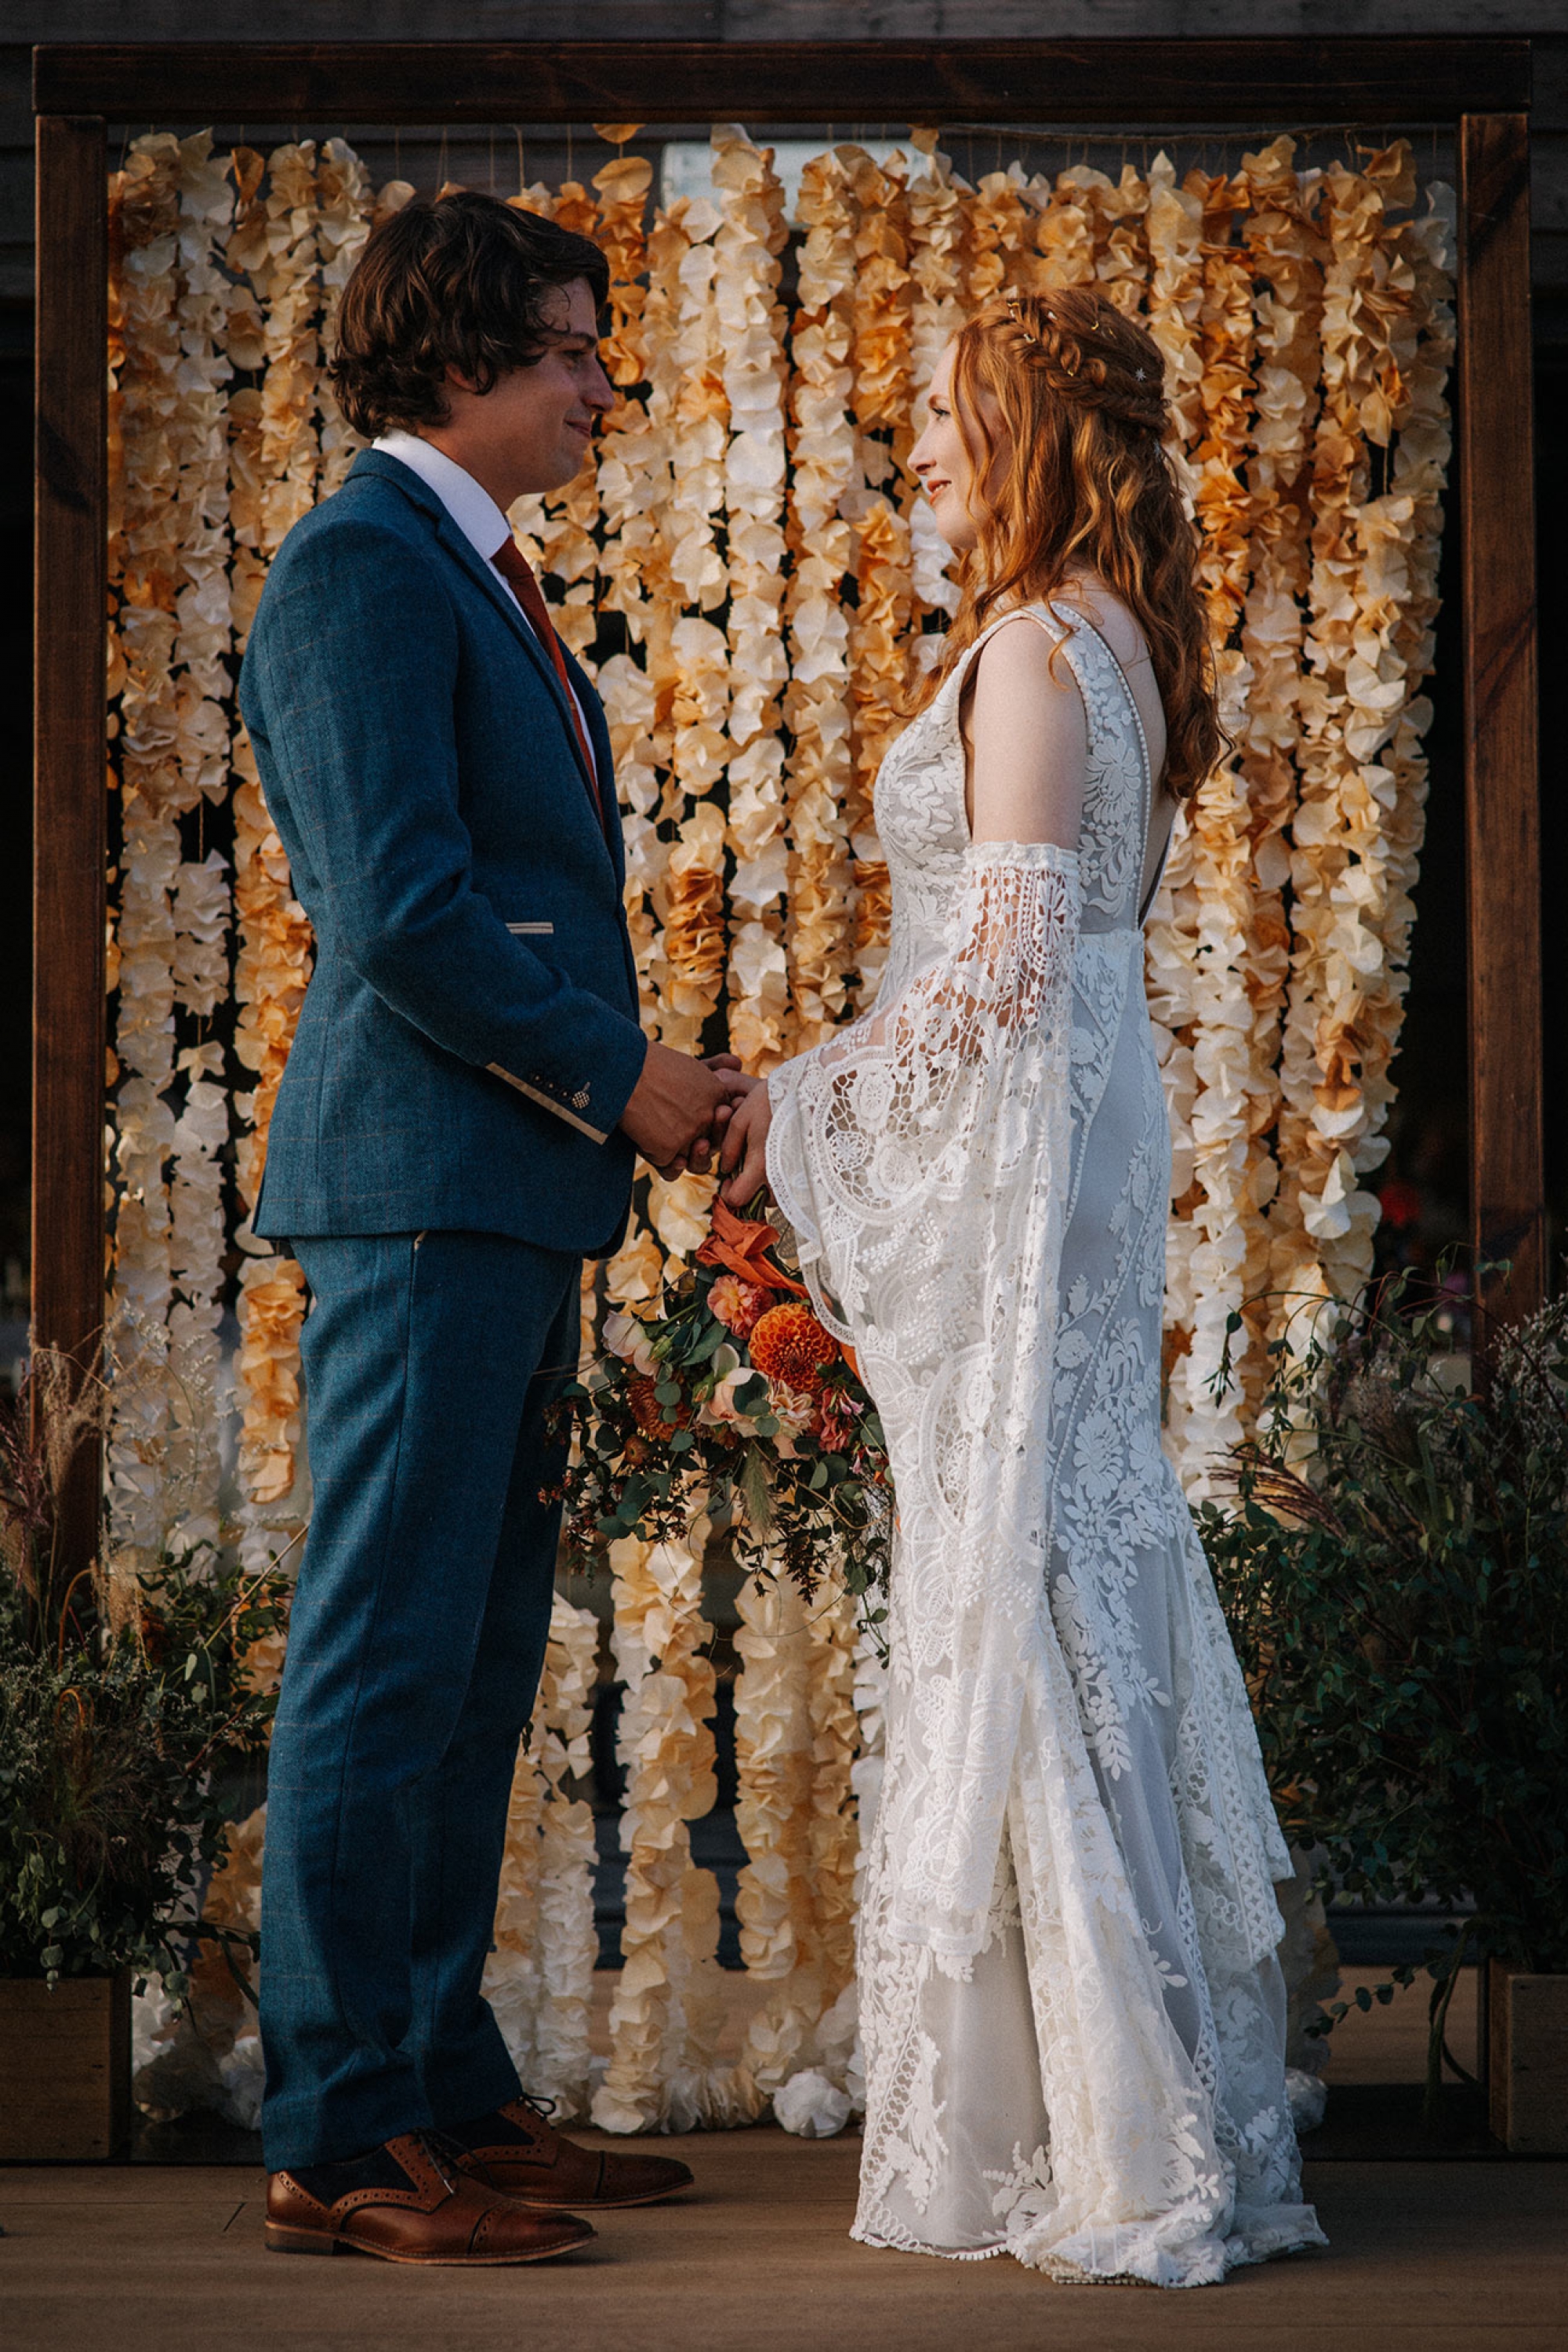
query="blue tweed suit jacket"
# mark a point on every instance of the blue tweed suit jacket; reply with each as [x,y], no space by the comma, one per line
[469,1037]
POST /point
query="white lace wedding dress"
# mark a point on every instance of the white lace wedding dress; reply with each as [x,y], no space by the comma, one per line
[1071,2013]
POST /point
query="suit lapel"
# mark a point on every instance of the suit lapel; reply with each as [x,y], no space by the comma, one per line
[464,553]
[599,741]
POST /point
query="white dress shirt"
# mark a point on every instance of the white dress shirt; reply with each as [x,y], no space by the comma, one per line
[472,508]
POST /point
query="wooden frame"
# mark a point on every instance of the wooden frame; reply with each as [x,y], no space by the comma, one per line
[1480,88]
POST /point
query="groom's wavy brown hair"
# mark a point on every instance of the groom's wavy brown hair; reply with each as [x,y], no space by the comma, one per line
[462,281]
[1086,485]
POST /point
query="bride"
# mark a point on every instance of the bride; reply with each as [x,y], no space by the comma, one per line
[1072,2015]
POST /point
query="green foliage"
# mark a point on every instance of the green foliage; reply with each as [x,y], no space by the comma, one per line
[123,1697]
[1399,1595]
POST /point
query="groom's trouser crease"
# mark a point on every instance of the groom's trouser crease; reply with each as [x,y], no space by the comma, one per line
[417,1637]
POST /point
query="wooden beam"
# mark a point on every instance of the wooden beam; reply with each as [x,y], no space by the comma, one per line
[1277,83]
[68,768]
[1497,522]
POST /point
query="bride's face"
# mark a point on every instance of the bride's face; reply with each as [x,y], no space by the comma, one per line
[946,471]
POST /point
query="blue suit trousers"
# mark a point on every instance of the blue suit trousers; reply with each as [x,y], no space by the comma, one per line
[415,1642]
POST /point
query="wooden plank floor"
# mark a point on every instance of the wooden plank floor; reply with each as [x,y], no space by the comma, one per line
[1447,2258]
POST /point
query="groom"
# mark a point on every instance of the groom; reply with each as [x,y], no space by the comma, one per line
[456,1130]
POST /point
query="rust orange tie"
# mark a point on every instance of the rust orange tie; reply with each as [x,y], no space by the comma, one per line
[516,570]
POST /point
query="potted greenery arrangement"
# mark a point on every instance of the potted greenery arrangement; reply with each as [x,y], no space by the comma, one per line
[123,1700]
[1398,1587]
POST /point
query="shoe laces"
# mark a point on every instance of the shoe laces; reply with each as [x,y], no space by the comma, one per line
[543,2109]
[443,2153]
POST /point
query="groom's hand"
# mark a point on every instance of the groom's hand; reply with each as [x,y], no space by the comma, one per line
[679,1107]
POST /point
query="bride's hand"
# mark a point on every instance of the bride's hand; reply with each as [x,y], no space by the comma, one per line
[743,1154]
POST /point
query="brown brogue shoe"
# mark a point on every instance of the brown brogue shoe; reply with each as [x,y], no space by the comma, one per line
[517,2151]
[443,2214]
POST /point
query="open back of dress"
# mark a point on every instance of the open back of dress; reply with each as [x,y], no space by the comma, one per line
[1071,2015]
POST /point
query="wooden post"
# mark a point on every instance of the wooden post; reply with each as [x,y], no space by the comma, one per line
[1497,524]
[68,769]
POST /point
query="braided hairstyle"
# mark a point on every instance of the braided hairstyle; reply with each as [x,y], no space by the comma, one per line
[1070,391]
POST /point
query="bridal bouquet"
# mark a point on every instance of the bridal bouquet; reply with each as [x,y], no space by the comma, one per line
[729,1396]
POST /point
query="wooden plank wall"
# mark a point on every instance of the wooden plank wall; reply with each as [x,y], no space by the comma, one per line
[1497,546]
[419,152]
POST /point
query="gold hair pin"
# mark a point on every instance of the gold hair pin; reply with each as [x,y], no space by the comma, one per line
[1016,315]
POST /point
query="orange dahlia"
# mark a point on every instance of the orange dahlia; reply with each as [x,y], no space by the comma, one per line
[789,1345]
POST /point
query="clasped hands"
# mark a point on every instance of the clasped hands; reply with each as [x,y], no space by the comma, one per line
[682,1112]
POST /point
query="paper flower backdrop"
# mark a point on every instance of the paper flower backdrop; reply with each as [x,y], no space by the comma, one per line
[744,573]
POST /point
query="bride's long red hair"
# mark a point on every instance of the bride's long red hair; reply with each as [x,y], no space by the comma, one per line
[1086,485]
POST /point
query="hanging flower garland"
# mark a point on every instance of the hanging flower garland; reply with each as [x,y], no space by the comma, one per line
[665,2018]
[1326,1219]
[345,209]
[1122,250]
[824,470]
[143,566]
[939,263]
[1064,233]
[201,906]
[774,1902]
[880,353]
[539,1976]
[776,1820]
[750,322]
[997,223]
[835,1830]
[1391,655]
[1217,1007]
[1283,254]
[277,459]
[633,478]
[1175,307]
[693,942]
[568,543]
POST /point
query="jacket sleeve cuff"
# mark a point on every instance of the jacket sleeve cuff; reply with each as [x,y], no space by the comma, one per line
[592,1104]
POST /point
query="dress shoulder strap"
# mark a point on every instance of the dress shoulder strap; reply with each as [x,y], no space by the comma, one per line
[1040,613]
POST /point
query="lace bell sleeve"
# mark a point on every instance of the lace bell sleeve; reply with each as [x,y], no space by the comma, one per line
[922,1157]
[936,1102]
